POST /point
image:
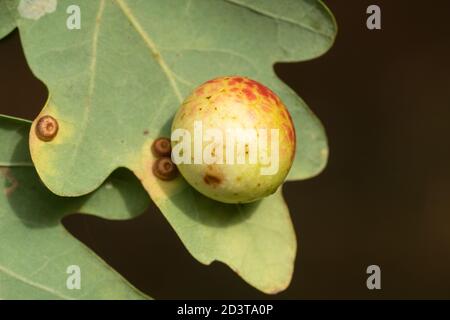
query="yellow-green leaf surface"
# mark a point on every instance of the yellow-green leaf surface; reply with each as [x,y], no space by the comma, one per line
[120,197]
[7,23]
[35,249]
[116,83]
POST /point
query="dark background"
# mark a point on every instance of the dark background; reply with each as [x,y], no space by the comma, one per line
[384,98]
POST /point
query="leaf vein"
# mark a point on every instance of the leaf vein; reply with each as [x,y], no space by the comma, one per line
[280,18]
[152,47]
[33,284]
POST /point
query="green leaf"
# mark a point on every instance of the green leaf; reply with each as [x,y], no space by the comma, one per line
[121,195]
[35,249]
[131,64]
[116,84]
[256,240]
[14,150]
[7,23]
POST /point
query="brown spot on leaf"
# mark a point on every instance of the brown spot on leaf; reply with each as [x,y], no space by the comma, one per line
[11,179]
[157,56]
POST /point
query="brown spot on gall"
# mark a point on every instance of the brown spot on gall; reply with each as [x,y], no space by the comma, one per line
[161,147]
[212,180]
[165,169]
[46,128]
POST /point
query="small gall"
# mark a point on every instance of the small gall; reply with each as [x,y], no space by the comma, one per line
[161,147]
[165,169]
[47,128]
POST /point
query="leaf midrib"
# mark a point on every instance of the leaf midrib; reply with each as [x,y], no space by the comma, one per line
[155,52]
[151,45]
